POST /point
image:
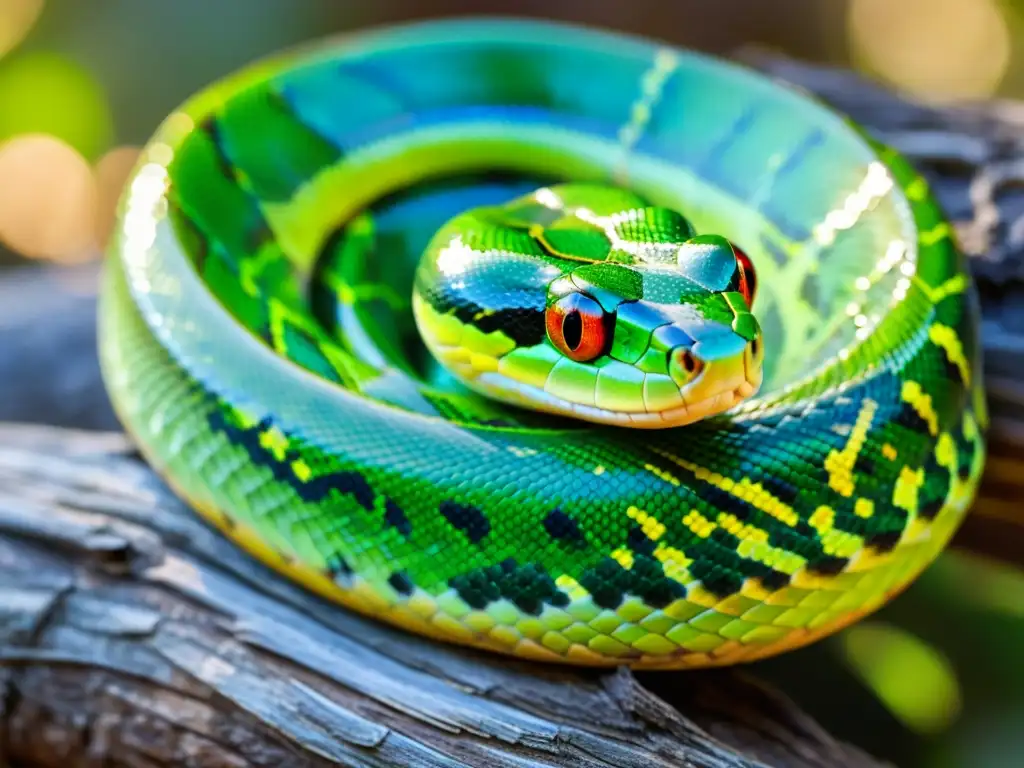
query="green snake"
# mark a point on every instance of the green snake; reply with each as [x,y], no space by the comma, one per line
[550,341]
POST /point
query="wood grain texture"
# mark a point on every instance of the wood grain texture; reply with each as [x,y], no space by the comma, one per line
[131,631]
[131,634]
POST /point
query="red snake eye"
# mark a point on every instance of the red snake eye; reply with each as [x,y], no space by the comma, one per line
[577,327]
[747,275]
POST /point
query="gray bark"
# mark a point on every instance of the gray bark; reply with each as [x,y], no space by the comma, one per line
[130,630]
[131,634]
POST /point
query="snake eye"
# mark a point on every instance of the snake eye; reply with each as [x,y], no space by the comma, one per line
[578,327]
[746,277]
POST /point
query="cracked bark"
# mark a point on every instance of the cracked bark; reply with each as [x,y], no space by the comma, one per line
[131,634]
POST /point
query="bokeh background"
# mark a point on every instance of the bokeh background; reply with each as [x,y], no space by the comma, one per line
[935,680]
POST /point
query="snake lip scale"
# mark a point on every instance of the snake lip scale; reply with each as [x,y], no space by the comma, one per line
[550,341]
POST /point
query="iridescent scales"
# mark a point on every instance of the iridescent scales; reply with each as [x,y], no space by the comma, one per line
[583,300]
[337,452]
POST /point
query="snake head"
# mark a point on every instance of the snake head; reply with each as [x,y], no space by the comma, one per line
[583,301]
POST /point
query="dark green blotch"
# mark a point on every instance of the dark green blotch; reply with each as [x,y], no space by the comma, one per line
[529,587]
[524,324]
[724,576]
[207,191]
[780,488]
[608,583]
[716,578]
[219,421]
[349,483]
[930,509]
[801,540]
[725,502]
[933,493]
[304,349]
[909,417]
[964,457]
[864,465]
[952,370]
[193,241]
[211,129]
[258,133]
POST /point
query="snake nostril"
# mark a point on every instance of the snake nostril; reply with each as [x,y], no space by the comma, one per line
[753,356]
[688,363]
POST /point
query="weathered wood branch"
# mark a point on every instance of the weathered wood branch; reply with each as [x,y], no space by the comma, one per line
[129,629]
[132,634]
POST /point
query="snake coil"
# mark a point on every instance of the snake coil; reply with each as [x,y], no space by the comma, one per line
[561,216]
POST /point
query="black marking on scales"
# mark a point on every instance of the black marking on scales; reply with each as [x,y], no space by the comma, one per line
[395,517]
[401,583]
[314,490]
[563,528]
[523,324]
[471,521]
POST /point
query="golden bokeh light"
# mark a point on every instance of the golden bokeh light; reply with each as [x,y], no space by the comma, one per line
[48,200]
[111,174]
[937,50]
[16,19]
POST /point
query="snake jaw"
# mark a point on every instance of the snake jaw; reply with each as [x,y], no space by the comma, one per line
[566,301]
[728,370]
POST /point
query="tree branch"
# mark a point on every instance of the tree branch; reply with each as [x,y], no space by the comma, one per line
[131,630]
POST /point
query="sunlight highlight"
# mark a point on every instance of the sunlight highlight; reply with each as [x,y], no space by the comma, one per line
[112,173]
[876,184]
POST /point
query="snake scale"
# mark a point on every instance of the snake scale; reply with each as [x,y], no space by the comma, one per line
[549,340]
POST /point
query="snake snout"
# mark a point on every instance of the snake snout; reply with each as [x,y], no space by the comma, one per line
[719,371]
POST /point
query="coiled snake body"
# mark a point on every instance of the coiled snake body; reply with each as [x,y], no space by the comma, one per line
[451,322]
